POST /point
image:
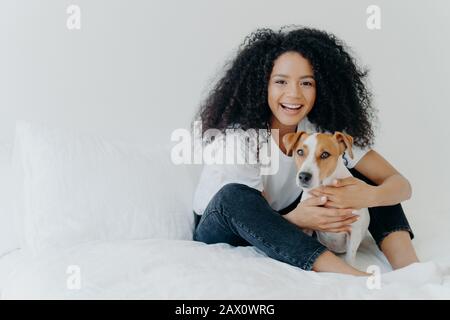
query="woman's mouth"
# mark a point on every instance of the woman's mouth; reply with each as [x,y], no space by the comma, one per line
[291,108]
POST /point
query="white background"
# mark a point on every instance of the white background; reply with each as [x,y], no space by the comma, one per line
[139,69]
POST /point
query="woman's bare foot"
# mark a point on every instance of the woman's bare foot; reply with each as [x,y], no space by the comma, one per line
[329,262]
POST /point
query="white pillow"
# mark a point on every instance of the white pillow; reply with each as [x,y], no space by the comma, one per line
[79,187]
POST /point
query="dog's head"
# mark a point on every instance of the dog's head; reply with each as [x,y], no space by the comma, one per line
[316,155]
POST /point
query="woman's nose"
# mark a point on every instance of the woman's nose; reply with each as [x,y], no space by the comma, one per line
[295,91]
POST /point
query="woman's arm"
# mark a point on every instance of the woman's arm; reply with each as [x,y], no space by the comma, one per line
[391,187]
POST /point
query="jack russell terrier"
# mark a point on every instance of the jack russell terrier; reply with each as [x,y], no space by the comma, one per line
[319,160]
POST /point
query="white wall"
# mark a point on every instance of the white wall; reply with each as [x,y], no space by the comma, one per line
[141,67]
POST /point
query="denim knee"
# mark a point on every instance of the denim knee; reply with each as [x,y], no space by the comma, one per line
[238,211]
[231,189]
[230,194]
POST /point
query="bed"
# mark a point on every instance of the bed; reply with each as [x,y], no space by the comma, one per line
[100,219]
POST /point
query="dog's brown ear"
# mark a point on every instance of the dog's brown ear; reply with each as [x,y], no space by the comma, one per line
[291,139]
[345,142]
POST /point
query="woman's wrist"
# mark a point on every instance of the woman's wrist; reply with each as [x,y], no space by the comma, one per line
[374,196]
[290,217]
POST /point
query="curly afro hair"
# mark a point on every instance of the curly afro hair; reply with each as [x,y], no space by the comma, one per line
[343,102]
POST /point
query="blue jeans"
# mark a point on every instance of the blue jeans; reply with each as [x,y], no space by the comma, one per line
[241,216]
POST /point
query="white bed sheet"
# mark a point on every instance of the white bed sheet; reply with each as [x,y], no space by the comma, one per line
[177,269]
[9,261]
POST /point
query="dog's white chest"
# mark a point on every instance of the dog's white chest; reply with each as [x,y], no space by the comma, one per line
[336,242]
[344,242]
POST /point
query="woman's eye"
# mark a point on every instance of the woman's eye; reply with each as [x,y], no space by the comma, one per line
[280,81]
[307,83]
[300,152]
[324,155]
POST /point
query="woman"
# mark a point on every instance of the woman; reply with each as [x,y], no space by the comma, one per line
[303,79]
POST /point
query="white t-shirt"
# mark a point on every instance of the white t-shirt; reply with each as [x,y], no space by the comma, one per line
[280,188]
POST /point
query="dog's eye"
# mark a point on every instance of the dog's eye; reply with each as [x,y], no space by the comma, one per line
[300,152]
[324,155]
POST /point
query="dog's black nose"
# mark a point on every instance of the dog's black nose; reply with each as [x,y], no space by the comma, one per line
[304,177]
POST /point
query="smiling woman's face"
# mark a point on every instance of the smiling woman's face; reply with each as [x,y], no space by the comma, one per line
[291,91]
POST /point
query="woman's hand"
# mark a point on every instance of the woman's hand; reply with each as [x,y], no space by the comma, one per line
[310,214]
[350,192]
